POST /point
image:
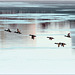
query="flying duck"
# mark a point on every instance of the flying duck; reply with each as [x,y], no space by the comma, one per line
[50,38]
[68,35]
[32,36]
[18,31]
[62,44]
[58,44]
[8,30]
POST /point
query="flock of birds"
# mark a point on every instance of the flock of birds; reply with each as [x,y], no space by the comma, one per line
[8,30]
[33,37]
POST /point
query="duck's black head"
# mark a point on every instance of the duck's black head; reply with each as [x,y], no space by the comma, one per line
[65,35]
[55,43]
[29,34]
[48,37]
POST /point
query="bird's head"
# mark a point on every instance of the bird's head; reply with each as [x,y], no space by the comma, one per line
[29,34]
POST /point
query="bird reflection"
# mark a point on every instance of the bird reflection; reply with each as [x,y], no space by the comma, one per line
[45,25]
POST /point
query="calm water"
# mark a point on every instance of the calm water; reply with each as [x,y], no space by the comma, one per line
[42,25]
[19,54]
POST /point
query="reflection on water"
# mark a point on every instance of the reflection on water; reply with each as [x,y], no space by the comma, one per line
[42,22]
[72,26]
[41,30]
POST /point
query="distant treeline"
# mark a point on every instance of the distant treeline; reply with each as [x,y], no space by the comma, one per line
[13,10]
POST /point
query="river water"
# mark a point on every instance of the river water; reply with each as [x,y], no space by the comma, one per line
[49,20]
[49,25]
[56,23]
